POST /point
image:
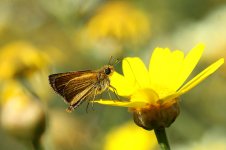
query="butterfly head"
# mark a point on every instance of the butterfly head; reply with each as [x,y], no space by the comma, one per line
[108,70]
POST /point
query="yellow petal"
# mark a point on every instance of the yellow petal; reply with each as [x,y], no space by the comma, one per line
[168,70]
[133,104]
[163,69]
[201,76]
[121,84]
[135,72]
[189,64]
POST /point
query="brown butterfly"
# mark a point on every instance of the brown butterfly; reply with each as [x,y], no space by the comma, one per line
[77,87]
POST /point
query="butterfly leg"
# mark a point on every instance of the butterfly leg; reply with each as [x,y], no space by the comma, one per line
[101,96]
[115,92]
[94,96]
[109,94]
[87,106]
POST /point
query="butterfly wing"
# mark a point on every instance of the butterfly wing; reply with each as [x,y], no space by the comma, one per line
[73,86]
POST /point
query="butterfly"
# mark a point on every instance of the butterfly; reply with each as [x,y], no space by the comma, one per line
[76,87]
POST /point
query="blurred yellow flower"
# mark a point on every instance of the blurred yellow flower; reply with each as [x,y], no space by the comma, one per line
[129,136]
[119,20]
[153,95]
[115,25]
[21,114]
[20,58]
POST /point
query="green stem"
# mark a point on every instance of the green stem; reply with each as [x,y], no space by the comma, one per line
[37,144]
[162,138]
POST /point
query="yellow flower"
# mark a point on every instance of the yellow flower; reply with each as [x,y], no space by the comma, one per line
[22,115]
[112,27]
[20,58]
[119,20]
[135,138]
[153,94]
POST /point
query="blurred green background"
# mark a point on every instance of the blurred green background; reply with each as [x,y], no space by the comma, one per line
[41,37]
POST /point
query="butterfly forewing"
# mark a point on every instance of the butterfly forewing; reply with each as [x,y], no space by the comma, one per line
[59,81]
[70,84]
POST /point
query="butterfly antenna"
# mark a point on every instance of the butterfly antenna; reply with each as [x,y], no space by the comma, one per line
[117,61]
[110,60]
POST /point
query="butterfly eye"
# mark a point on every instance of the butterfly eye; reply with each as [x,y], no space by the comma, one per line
[107,71]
